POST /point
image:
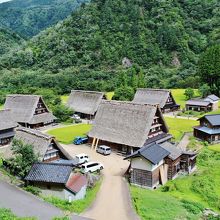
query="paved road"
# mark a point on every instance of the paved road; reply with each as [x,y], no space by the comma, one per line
[24,204]
[113,200]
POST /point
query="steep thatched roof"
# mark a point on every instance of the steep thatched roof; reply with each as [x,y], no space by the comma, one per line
[86,102]
[23,109]
[6,120]
[38,140]
[151,96]
[123,122]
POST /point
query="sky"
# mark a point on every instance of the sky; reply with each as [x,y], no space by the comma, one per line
[1,1]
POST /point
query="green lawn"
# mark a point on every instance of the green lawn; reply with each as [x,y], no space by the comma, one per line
[155,205]
[178,126]
[180,97]
[184,197]
[64,98]
[215,147]
[67,134]
[109,95]
[6,214]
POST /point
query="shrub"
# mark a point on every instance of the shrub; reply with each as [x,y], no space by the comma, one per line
[192,207]
[32,189]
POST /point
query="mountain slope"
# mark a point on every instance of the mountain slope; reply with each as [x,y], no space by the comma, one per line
[8,40]
[28,18]
[165,38]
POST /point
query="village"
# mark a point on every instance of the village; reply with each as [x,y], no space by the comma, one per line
[115,144]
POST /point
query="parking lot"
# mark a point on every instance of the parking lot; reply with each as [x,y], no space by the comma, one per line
[113,199]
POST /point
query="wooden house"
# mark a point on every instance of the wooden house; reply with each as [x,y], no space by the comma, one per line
[7,127]
[127,126]
[163,97]
[210,103]
[209,128]
[44,145]
[85,103]
[29,110]
[57,180]
[214,100]
[155,164]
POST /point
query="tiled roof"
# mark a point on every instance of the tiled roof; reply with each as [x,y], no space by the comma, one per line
[213,97]
[153,153]
[213,119]
[49,173]
[208,130]
[198,102]
[76,182]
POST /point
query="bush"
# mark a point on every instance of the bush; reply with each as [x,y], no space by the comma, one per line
[192,207]
[32,189]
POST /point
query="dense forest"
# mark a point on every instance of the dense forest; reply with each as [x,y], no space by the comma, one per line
[164,41]
[9,40]
[28,18]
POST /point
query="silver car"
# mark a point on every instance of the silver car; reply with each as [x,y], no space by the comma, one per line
[103,149]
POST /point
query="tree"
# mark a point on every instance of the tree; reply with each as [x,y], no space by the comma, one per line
[204,90]
[209,68]
[23,159]
[189,93]
[62,112]
[124,93]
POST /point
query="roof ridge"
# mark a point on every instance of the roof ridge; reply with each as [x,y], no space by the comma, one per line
[12,95]
[164,90]
[87,91]
[36,133]
[128,102]
[54,164]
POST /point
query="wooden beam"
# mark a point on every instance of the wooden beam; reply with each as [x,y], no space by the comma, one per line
[93,142]
[96,143]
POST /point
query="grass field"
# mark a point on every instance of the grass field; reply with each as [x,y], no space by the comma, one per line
[67,134]
[184,197]
[64,98]
[180,97]
[215,147]
[178,126]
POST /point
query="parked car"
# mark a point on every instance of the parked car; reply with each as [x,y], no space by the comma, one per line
[75,116]
[80,140]
[81,158]
[91,167]
[103,149]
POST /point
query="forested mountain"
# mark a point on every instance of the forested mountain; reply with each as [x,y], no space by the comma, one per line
[164,40]
[8,40]
[29,17]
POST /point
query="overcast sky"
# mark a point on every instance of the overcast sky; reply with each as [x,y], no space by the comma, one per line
[4,1]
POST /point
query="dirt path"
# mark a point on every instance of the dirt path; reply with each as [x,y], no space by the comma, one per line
[113,200]
[184,141]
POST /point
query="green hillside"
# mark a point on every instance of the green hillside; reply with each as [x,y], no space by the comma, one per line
[32,16]
[8,40]
[164,40]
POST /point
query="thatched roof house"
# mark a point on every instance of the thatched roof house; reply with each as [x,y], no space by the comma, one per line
[127,123]
[162,97]
[29,110]
[85,102]
[44,145]
[7,125]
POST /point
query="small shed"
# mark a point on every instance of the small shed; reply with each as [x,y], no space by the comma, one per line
[57,180]
[199,105]
[85,103]
[214,100]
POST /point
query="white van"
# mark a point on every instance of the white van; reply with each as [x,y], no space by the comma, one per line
[82,158]
[91,167]
[103,149]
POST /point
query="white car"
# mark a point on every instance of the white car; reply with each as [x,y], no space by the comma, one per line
[82,158]
[76,117]
[91,167]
